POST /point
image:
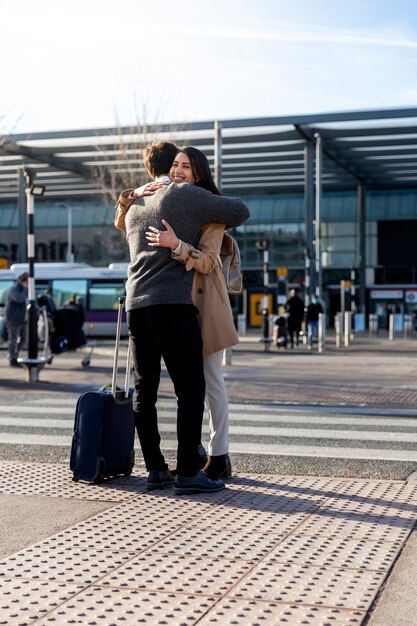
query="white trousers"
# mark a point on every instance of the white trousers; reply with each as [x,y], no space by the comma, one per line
[217,404]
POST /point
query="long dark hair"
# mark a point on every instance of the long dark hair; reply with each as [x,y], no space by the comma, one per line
[201,169]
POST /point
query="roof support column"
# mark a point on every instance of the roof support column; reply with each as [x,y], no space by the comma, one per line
[309,217]
[218,154]
[21,216]
[361,247]
[319,288]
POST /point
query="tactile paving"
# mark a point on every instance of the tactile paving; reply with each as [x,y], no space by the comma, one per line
[285,495]
[249,520]
[266,550]
[228,544]
[174,573]
[56,480]
[108,606]
[248,612]
[336,552]
[52,562]
[23,601]
[360,525]
[281,502]
[383,490]
[322,486]
[354,508]
[286,582]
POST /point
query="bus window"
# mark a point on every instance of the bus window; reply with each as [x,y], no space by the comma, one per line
[6,284]
[105,296]
[40,287]
[62,289]
[4,288]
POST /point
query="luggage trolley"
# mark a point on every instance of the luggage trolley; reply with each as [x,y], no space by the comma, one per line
[60,332]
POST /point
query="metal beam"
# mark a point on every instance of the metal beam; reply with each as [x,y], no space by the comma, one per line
[218,154]
[309,217]
[361,246]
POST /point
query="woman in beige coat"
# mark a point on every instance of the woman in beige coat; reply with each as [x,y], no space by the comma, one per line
[210,296]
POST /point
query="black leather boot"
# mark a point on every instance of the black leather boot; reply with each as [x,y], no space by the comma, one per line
[218,467]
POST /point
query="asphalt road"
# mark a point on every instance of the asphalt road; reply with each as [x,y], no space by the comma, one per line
[342,413]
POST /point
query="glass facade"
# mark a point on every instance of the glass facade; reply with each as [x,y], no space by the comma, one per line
[279,219]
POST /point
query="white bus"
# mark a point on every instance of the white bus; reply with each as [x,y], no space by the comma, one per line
[98,287]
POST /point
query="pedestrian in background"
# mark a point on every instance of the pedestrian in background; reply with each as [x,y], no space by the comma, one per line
[312,319]
[15,317]
[295,309]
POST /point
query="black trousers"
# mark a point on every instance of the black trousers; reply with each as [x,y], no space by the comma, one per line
[294,327]
[170,331]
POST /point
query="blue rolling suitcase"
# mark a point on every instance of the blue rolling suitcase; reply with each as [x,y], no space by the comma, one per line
[104,428]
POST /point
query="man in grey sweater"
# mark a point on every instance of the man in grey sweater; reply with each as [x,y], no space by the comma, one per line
[162,318]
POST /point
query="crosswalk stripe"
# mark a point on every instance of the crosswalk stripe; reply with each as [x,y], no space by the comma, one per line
[36,410]
[274,410]
[254,429]
[236,415]
[258,431]
[243,448]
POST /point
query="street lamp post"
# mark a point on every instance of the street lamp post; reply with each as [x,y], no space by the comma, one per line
[263,246]
[32,363]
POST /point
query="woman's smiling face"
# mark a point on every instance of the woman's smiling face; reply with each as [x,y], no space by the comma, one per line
[181,170]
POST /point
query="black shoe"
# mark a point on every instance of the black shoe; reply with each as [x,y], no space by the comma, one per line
[196,484]
[218,467]
[14,363]
[159,480]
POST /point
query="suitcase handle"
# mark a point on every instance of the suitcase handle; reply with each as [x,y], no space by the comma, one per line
[116,352]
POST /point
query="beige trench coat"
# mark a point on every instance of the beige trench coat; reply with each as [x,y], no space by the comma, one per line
[209,292]
[122,207]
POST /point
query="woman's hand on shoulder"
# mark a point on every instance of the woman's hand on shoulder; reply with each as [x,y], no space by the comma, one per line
[162,238]
[147,190]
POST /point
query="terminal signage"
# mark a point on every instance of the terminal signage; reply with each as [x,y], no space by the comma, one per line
[387,294]
[411,296]
[255,308]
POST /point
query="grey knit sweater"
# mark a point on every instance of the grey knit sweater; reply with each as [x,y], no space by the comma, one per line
[153,276]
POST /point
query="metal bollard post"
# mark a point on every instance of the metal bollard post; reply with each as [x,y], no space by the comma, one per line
[322,333]
[373,324]
[408,325]
[338,327]
[241,325]
[265,339]
[347,328]
[227,357]
[391,333]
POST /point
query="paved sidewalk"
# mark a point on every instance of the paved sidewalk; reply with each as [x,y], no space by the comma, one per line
[266,550]
[269,549]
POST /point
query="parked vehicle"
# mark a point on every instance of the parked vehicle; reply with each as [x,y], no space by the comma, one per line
[99,289]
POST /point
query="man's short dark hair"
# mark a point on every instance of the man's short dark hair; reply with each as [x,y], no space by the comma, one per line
[23,277]
[158,157]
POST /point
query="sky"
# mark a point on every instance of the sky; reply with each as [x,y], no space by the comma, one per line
[76,64]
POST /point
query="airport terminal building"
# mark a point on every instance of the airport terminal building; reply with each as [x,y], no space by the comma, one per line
[333,199]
